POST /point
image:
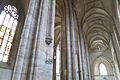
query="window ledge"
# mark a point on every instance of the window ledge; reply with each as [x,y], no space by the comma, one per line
[5,65]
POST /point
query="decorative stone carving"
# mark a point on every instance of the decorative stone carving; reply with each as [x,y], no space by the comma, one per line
[48,40]
[49,61]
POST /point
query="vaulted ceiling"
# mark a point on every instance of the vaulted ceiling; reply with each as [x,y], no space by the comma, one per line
[59,9]
[96,19]
[97,23]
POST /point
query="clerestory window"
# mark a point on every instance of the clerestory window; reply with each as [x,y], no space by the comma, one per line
[8,24]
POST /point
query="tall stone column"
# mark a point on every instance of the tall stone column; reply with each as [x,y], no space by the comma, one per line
[116,17]
[63,73]
[43,64]
[69,66]
[54,62]
[34,58]
[24,42]
[115,36]
[83,57]
[64,49]
[115,56]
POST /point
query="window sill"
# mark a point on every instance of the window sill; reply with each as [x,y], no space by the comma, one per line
[5,65]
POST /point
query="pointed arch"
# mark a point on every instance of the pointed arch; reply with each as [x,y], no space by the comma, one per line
[8,24]
[107,64]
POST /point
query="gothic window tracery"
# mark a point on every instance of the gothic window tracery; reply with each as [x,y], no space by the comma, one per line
[8,24]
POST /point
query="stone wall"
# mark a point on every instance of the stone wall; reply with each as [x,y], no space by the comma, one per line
[5,74]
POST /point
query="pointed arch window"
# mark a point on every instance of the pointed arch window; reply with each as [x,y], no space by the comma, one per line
[103,70]
[8,24]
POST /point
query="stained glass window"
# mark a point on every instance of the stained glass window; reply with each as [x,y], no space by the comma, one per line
[8,24]
[103,70]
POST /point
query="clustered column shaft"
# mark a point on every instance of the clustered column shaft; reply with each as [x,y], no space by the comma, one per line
[33,51]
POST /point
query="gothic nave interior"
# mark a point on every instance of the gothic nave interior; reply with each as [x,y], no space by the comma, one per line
[59,40]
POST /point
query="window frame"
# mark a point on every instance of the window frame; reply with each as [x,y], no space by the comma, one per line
[16,41]
[10,17]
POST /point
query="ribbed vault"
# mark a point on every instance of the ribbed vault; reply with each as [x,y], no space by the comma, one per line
[97,25]
[96,21]
[58,24]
